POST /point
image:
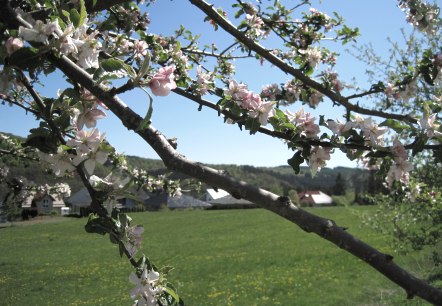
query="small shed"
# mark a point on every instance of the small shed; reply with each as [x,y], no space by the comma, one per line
[315,198]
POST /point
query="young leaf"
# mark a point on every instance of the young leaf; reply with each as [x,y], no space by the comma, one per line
[395,125]
[83,13]
[146,121]
[296,161]
[25,58]
[75,17]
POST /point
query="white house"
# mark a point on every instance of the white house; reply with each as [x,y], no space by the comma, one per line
[315,198]
[44,203]
[222,199]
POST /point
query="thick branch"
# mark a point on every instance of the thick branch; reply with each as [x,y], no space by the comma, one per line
[279,205]
[263,52]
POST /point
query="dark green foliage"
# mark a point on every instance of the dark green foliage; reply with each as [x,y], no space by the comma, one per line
[340,185]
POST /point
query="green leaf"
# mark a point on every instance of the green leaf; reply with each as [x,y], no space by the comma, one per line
[252,124]
[419,144]
[112,64]
[43,140]
[144,66]
[75,17]
[146,121]
[83,13]
[25,58]
[395,125]
[296,161]
[172,294]
[115,64]
[96,225]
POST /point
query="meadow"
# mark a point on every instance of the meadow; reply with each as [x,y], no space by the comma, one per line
[224,257]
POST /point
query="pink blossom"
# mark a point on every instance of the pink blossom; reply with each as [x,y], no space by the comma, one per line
[13,44]
[429,125]
[88,53]
[305,121]
[140,48]
[255,23]
[311,130]
[251,101]
[236,91]
[315,98]
[318,158]
[59,162]
[40,31]
[271,91]
[312,55]
[203,81]
[371,131]
[89,118]
[338,128]
[263,112]
[297,118]
[293,91]
[163,81]
[86,141]
[399,171]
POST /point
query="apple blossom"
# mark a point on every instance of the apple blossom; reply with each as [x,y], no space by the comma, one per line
[236,91]
[338,128]
[40,31]
[292,91]
[250,102]
[318,158]
[140,48]
[133,238]
[89,118]
[88,53]
[203,82]
[146,287]
[408,91]
[163,81]
[312,55]
[263,111]
[13,44]
[399,170]
[315,98]
[60,162]
[271,91]
[255,23]
[371,131]
[86,141]
[429,125]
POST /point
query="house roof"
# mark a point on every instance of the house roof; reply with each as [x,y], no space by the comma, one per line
[56,200]
[81,198]
[217,194]
[223,197]
[315,197]
[185,201]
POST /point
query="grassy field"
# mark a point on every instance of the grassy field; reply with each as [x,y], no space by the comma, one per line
[226,257]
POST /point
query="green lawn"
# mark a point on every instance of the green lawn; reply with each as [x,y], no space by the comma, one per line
[226,257]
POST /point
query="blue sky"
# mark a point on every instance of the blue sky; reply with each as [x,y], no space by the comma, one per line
[202,136]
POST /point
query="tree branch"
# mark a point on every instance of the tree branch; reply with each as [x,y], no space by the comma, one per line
[282,206]
[263,52]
